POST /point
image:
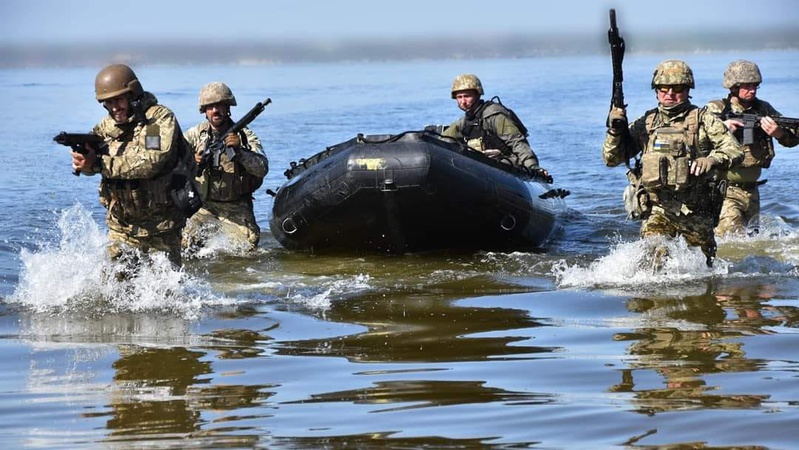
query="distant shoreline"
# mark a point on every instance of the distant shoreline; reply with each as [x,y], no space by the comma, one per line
[266,52]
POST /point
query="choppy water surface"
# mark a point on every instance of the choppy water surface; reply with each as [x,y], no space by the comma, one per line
[578,346]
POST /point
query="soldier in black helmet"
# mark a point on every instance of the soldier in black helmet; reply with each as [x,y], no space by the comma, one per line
[489,127]
[143,155]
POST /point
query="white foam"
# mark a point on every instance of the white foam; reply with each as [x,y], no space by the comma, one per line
[72,276]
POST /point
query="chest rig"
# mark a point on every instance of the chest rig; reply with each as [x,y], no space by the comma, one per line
[761,151]
[670,149]
[480,137]
[229,181]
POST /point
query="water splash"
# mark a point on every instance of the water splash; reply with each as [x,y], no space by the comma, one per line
[321,297]
[773,251]
[72,276]
[630,264]
[218,240]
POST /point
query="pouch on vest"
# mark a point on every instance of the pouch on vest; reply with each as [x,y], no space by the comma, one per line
[654,170]
[185,195]
[760,153]
[678,173]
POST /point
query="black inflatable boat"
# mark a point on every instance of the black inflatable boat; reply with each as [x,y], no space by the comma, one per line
[412,192]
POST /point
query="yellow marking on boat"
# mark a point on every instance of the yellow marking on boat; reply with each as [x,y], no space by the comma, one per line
[371,163]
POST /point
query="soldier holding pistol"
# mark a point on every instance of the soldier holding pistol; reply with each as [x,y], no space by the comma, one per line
[141,170]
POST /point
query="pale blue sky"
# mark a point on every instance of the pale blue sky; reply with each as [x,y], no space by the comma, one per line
[65,21]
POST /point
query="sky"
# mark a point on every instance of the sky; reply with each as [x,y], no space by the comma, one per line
[75,21]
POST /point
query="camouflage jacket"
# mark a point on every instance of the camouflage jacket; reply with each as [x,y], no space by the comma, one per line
[697,135]
[759,154]
[232,180]
[712,140]
[496,120]
[137,170]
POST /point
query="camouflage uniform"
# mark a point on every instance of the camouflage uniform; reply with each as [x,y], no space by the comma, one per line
[135,188]
[227,190]
[682,204]
[490,125]
[741,206]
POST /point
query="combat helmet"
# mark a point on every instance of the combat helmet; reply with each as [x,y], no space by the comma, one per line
[466,82]
[672,72]
[741,72]
[216,92]
[114,80]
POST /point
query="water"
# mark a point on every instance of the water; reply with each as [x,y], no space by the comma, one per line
[577,346]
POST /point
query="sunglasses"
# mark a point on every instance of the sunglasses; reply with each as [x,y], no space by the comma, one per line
[677,89]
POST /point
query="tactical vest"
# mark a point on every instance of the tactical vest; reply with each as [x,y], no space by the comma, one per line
[481,138]
[136,200]
[761,152]
[666,163]
[230,181]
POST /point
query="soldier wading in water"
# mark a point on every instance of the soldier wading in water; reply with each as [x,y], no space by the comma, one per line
[146,166]
[741,210]
[678,148]
[227,187]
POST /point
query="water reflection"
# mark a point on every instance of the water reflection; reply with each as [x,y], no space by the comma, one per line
[421,328]
[424,393]
[150,387]
[687,339]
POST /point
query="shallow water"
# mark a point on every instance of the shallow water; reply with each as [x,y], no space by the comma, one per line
[578,346]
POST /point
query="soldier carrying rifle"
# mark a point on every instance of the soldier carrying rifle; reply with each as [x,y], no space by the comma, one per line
[756,124]
[678,148]
[232,166]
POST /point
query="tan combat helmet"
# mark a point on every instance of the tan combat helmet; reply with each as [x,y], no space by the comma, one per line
[216,92]
[115,80]
[673,72]
[741,72]
[466,82]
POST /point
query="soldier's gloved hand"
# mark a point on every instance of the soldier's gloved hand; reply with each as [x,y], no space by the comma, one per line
[233,140]
[617,120]
[198,157]
[702,165]
[543,174]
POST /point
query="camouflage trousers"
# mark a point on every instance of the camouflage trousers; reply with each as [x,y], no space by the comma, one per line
[235,219]
[741,210]
[696,229]
[167,242]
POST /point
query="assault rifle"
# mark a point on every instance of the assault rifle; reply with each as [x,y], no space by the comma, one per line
[78,141]
[617,98]
[213,150]
[751,120]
